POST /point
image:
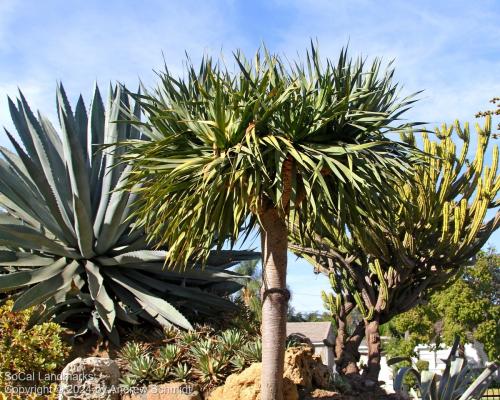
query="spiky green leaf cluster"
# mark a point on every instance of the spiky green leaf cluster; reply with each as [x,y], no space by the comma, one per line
[456,382]
[67,234]
[305,138]
[201,356]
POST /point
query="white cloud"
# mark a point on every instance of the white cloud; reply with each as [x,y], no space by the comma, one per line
[448,51]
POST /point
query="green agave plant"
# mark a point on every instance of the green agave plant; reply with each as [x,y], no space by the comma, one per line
[66,237]
[455,383]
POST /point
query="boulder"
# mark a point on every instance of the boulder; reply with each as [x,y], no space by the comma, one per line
[298,363]
[90,378]
[321,376]
[246,386]
[302,368]
[166,391]
[323,395]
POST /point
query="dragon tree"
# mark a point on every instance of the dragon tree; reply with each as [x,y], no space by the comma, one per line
[268,144]
[385,273]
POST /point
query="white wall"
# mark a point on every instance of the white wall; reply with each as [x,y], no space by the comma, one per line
[326,354]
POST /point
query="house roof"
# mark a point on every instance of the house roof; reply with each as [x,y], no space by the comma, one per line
[315,331]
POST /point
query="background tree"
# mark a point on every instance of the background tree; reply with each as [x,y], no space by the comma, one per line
[311,316]
[407,330]
[469,309]
[271,144]
[384,274]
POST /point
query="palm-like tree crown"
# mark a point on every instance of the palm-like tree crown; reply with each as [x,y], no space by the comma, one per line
[306,138]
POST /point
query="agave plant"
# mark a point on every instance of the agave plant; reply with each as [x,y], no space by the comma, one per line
[67,240]
[169,354]
[181,372]
[213,368]
[231,340]
[252,351]
[188,338]
[456,383]
[132,350]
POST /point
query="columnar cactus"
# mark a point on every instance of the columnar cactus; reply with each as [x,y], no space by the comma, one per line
[437,224]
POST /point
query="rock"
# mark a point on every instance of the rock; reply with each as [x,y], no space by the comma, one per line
[166,391]
[298,362]
[302,368]
[322,377]
[323,394]
[246,386]
[90,378]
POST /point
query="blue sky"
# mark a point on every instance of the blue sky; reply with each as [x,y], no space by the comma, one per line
[450,49]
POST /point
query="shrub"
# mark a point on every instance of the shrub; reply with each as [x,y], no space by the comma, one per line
[37,350]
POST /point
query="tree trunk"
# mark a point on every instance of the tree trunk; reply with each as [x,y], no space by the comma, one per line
[274,237]
[348,363]
[373,341]
[340,340]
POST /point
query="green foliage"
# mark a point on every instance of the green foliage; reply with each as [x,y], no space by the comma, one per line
[249,295]
[132,350]
[456,382]
[410,329]
[221,142]
[199,356]
[181,372]
[68,239]
[252,351]
[438,221]
[469,308]
[313,316]
[24,349]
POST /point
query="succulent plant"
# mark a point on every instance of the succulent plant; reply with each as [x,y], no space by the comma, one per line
[189,337]
[66,239]
[181,372]
[202,348]
[212,367]
[132,350]
[169,354]
[142,366]
[128,381]
[239,362]
[252,351]
[456,382]
[231,340]
[201,356]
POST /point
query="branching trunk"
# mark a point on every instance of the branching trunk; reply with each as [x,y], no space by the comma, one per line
[348,362]
[342,334]
[372,334]
[274,302]
[340,340]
